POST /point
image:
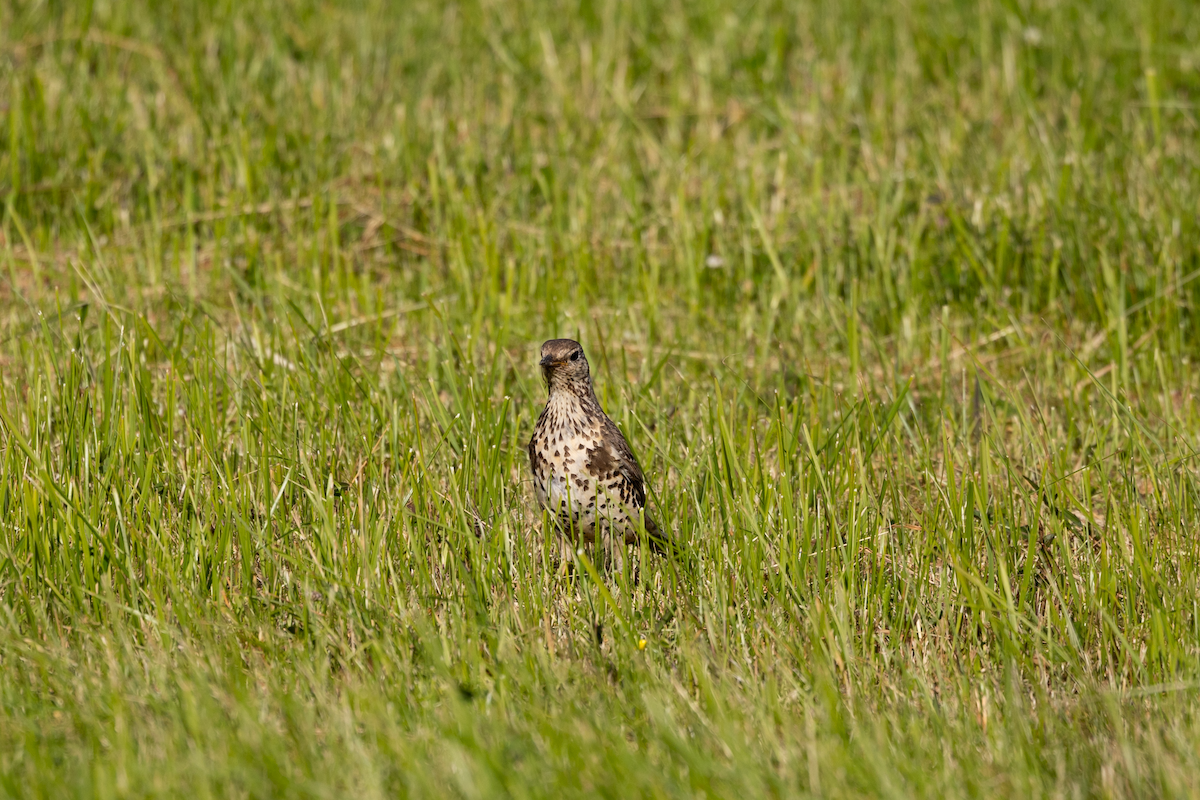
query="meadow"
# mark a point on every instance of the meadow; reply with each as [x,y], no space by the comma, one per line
[896,303]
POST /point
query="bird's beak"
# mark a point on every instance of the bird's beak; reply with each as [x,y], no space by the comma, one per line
[547,361]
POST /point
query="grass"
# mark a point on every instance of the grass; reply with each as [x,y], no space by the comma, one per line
[897,303]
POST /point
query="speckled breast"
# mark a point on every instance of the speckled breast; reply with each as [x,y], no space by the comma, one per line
[575,475]
[562,483]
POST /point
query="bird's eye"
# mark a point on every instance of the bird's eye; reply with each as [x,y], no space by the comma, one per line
[575,356]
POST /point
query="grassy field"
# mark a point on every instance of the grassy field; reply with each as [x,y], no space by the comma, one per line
[897,303]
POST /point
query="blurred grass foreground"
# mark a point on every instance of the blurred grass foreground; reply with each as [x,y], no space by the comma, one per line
[896,302]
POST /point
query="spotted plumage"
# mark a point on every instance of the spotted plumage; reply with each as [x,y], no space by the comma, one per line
[584,473]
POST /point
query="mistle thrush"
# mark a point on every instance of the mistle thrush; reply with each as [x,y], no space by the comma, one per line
[584,473]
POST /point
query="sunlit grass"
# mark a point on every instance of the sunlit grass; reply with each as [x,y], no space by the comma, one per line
[896,305]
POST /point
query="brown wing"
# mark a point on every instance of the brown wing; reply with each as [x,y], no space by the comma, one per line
[614,457]
[626,462]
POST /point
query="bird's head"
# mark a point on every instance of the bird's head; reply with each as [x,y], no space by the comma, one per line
[564,366]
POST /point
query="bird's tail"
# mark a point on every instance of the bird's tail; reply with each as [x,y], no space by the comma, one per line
[659,542]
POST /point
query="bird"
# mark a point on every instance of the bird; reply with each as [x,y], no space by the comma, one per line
[584,474]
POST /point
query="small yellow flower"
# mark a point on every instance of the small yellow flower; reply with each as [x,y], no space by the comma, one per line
[641,644]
